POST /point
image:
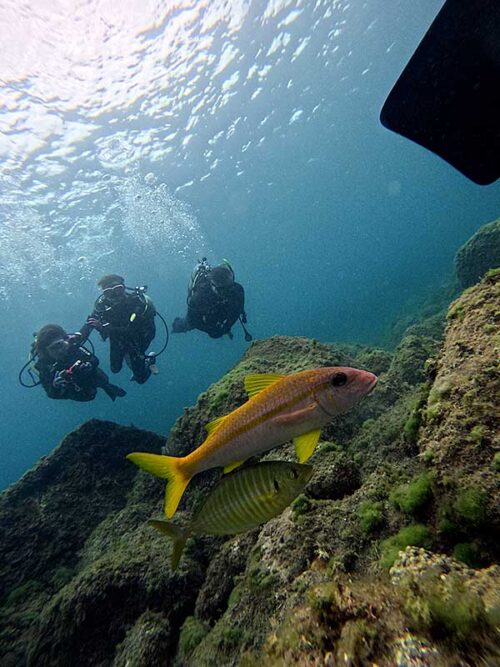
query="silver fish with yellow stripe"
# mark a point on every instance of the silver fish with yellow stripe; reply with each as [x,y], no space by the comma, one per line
[241,501]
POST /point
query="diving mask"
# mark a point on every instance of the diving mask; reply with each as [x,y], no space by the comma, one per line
[114,293]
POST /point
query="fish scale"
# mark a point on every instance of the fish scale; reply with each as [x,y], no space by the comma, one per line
[252,418]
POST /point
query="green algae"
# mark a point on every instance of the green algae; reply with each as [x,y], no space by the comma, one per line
[428,455]
[447,526]
[470,506]
[29,589]
[491,274]
[370,515]
[301,505]
[445,607]
[413,497]
[193,631]
[456,312]
[414,421]
[478,433]
[232,637]
[415,534]
[260,580]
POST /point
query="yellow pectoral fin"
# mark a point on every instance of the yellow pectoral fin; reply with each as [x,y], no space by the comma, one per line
[232,466]
[305,444]
[257,382]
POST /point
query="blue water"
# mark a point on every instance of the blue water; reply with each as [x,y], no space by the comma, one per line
[134,141]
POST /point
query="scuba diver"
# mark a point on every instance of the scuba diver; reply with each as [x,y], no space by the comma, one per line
[66,369]
[126,317]
[215,301]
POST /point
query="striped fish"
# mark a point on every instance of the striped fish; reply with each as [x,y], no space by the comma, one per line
[241,501]
[280,408]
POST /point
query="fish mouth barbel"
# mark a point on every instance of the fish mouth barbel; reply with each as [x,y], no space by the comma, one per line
[280,408]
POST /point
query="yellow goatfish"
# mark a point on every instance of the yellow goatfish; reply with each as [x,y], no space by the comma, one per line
[280,408]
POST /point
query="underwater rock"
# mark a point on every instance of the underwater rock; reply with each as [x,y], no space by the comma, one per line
[46,517]
[459,435]
[408,363]
[46,520]
[85,581]
[335,476]
[447,600]
[479,254]
[225,567]
[148,642]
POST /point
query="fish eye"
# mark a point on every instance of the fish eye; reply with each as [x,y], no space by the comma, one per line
[339,380]
[276,485]
[293,474]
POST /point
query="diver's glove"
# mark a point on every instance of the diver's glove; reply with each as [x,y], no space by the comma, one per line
[94,323]
[61,379]
[150,362]
[80,369]
[98,326]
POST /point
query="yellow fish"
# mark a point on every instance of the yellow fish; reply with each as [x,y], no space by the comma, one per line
[280,408]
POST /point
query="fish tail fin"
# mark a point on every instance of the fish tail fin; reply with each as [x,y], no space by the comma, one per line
[176,534]
[166,467]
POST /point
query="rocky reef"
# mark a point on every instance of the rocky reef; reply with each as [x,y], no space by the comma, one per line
[479,254]
[388,558]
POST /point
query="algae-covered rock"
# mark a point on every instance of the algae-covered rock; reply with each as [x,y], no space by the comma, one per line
[461,423]
[447,600]
[479,254]
[47,518]
[148,642]
[413,464]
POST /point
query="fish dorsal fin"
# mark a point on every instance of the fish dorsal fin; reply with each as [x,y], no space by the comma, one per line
[232,466]
[305,444]
[259,381]
[215,423]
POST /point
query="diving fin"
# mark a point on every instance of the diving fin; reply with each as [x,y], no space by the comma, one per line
[447,98]
[113,391]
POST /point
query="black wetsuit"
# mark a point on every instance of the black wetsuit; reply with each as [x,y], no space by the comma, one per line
[68,379]
[129,324]
[211,310]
